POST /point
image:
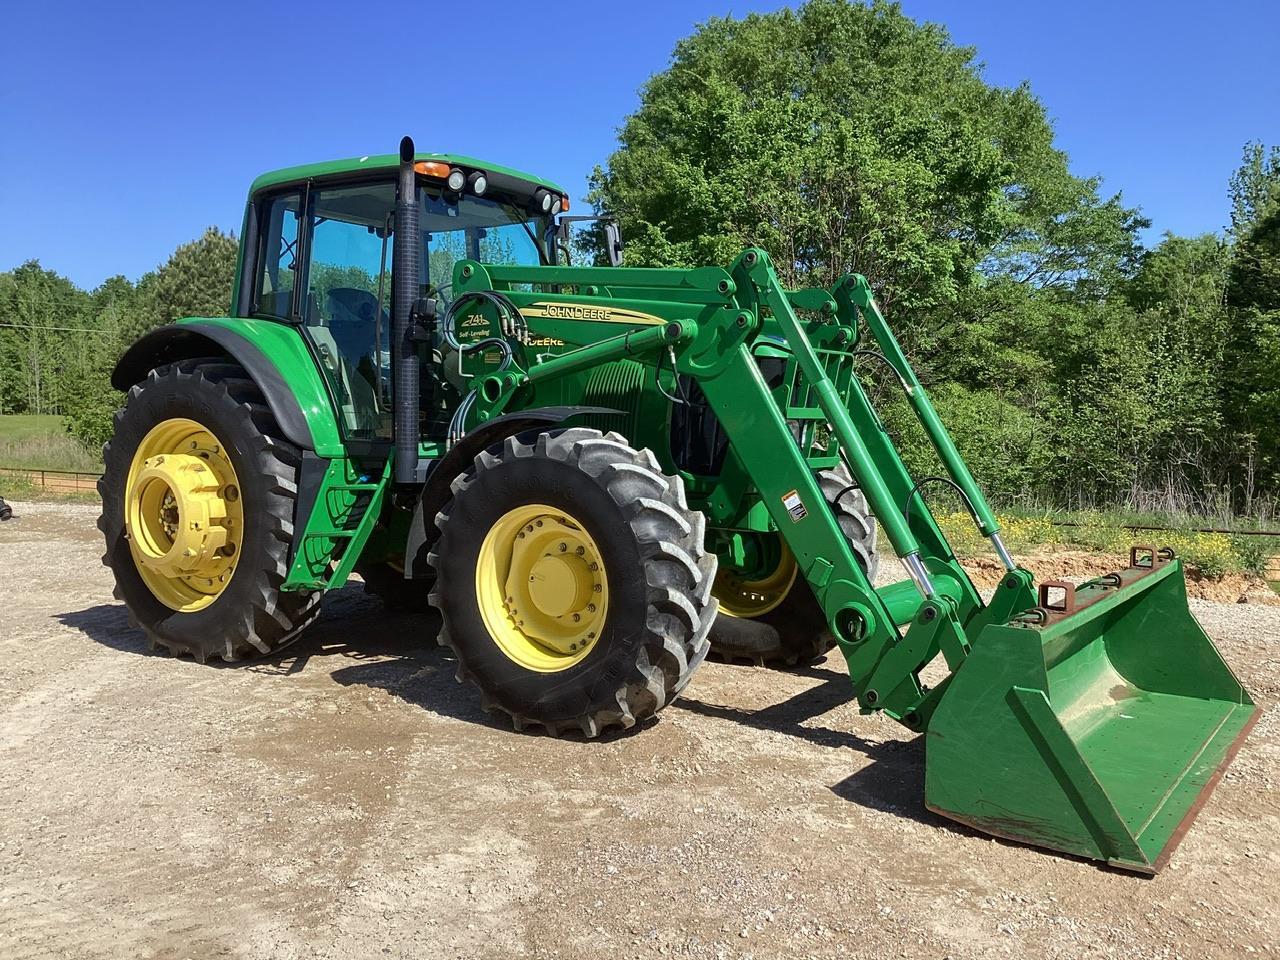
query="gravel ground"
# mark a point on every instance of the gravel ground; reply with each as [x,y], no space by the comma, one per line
[349,799]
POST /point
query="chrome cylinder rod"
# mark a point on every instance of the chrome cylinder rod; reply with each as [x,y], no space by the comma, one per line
[919,575]
[1003,552]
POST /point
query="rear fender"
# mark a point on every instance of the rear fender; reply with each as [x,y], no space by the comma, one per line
[273,354]
[437,490]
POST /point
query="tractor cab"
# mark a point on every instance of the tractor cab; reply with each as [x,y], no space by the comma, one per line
[321,254]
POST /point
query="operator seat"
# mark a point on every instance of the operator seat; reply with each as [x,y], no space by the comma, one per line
[352,312]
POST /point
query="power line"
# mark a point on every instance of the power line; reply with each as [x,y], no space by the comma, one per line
[72,302]
[37,326]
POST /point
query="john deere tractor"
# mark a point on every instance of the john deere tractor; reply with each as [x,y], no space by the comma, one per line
[597,474]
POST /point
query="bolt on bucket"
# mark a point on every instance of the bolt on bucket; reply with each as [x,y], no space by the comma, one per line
[1095,724]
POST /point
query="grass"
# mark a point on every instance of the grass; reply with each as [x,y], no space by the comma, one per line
[1212,554]
[14,489]
[41,443]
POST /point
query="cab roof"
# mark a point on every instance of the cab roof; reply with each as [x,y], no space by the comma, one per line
[388,161]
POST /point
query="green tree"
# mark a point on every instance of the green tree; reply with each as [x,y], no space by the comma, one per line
[1254,187]
[194,282]
[116,307]
[42,313]
[1252,387]
[847,137]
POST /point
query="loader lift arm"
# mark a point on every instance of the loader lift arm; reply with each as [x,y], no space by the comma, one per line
[938,600]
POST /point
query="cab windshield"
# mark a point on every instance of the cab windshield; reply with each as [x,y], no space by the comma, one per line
[329,267]
[477,228]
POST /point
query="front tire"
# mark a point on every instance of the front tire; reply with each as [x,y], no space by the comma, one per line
[198,497]
[572,581]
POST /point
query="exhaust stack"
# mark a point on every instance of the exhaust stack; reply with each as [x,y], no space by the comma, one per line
[406,260]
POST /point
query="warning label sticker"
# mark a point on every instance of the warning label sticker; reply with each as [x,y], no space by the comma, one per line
[795,506]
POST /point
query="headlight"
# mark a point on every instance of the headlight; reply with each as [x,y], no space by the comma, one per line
[541,201]
[556,205]
[457,179]
[478,182]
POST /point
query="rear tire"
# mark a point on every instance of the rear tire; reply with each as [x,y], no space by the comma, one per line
[795,631]
[614,514]
[251,616]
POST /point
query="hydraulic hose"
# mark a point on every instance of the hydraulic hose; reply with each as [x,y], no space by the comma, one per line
[513,325]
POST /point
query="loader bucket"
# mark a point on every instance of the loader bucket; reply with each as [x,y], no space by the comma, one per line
[1096,725]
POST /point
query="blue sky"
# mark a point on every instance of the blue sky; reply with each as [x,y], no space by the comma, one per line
[126,129]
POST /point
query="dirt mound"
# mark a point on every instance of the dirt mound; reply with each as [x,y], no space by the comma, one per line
[1077,566]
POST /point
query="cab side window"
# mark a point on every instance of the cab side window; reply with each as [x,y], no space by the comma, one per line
[348,299]
[324,258]
[277,257]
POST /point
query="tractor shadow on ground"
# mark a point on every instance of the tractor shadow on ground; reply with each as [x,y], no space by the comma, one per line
[398,653]
[107,624]
[350,625]
[355,640]
[893,779]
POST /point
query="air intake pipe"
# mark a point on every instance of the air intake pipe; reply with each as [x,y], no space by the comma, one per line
[406,262]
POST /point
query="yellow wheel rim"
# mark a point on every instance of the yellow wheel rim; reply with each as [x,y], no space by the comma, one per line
[541,588]
[183,514]
[741,597]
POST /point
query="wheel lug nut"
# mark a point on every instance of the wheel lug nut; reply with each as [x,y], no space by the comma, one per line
[577,617]
[564,547]
[591,608]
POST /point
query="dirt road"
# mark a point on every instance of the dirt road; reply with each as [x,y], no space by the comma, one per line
[349,800]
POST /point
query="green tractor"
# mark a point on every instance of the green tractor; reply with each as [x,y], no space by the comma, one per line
[599,474]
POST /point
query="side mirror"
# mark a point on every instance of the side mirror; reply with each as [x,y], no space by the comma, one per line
[613,242]
[612,237]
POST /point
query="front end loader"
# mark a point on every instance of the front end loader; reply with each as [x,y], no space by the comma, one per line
[600,474]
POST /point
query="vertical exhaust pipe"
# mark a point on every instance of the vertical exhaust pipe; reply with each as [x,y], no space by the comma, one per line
[406,263]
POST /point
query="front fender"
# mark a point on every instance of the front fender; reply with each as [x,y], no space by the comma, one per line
[273,354]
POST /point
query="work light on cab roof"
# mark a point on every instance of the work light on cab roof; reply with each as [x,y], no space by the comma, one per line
[600,474]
